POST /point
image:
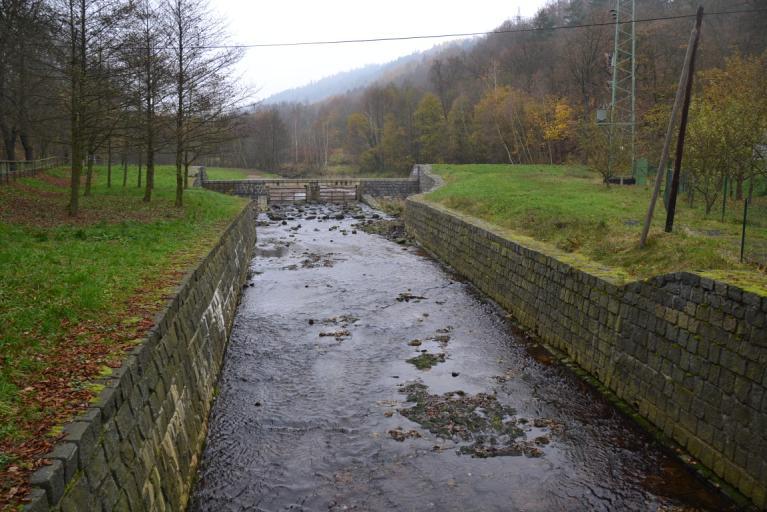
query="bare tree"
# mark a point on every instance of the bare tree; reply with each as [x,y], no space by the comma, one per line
[89,27]
[147,52]
[202,69]
[24,29]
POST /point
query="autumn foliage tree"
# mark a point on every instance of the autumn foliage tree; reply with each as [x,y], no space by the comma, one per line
[525,94]
[431,128]
[728,126]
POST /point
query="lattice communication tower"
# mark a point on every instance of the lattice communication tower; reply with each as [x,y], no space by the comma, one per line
[622,113]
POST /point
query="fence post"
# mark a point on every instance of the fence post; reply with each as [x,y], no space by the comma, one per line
[724,198]
[743,233]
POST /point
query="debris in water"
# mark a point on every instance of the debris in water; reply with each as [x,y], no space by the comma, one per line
[488,427]
[441,338]
[555,427]
[400,435]
[338,335]
[407,297]
[344,320]
[507,376]
[426,361]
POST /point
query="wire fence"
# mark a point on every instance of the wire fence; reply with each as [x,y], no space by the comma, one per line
[11,170]
[749,213]
[743,219]
[753,243]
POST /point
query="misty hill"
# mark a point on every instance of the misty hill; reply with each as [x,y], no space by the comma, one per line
[359,78]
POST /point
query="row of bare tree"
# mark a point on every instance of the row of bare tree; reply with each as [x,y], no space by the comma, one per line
[124,77]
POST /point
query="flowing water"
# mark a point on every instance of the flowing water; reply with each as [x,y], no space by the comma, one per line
[319,409]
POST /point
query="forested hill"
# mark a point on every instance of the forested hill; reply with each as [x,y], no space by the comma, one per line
[527,93]
[329,86]
[359,78]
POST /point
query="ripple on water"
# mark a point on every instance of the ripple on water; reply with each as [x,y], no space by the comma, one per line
[301,421]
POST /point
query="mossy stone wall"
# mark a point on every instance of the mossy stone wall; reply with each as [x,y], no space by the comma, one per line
[137,447]
[687,353]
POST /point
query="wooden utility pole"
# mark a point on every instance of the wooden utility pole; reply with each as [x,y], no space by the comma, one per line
[683,129]
[661,174]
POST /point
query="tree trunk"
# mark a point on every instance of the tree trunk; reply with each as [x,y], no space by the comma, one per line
[149,167]
[180,83]
[77,118]
[186,173]
[125,171]
[89,175]
[29,151]
[503,141]
[109,163]
[709,204]
[9,140]
[140,163]
[149,123]
[739,188]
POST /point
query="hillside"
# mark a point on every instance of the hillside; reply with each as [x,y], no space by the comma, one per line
[526,94]
[340,83]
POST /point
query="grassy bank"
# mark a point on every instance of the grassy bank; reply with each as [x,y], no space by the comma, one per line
[75,294]
[569,208]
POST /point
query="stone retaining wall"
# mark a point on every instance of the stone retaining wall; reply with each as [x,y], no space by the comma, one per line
[687,352]
[137,447]
[253,189]
[427,181]
[389,187]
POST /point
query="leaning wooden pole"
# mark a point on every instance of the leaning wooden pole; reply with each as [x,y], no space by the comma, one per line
[661,174]
[671,210]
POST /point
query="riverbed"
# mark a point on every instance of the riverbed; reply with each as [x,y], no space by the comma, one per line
[363,375]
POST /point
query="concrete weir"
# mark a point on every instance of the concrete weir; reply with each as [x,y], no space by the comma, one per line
[313,190]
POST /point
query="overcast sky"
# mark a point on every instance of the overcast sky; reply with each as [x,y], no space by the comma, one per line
[271,70]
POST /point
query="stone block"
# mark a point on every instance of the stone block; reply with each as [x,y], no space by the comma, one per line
[37,501]
[67,454]
[79,496]
[85,436]
[96,469]
[50,479]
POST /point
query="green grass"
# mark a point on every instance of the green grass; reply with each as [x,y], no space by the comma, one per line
[570,210]
[57,275]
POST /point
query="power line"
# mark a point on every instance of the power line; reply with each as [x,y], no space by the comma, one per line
[473,34]
[611,23]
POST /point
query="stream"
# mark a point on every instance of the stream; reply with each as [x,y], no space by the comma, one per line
[363,375]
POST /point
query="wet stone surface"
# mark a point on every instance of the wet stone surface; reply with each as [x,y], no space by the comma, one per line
[321,406]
